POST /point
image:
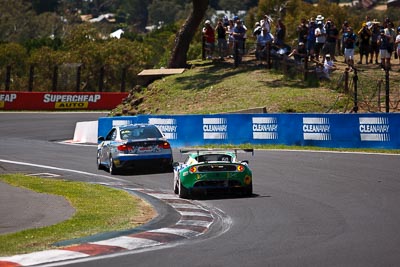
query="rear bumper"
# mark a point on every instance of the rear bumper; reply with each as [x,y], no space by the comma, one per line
[149,163]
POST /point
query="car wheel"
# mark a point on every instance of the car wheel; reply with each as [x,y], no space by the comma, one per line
[248,191]
[111,167]
[176,189]
[182,191]
[99,166]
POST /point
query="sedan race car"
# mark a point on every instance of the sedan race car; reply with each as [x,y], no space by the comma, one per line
[212,170]
[133,147]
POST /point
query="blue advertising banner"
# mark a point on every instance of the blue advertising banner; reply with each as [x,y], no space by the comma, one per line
[379,130]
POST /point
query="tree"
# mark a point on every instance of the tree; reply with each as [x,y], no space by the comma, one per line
[185,35]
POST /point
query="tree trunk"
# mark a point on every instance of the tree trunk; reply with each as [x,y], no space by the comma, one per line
[186,33]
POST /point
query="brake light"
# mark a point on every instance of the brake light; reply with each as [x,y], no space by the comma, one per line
[193,169]
[164,145]
[240,168]
[124,147]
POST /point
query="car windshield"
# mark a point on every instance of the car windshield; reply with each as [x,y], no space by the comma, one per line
[140,133]
[213,157]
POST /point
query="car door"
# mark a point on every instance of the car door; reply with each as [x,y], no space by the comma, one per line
[107,145]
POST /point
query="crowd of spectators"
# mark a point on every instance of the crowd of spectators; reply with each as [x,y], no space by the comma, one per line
[317,37]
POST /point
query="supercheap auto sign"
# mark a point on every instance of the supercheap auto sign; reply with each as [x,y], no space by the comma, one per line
[59,101]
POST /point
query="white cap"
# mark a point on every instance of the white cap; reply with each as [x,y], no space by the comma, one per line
[208,22]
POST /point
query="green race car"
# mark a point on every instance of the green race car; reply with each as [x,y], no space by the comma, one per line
[212,170]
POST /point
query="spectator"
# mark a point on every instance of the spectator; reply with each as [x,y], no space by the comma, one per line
[311,39]
[397,44]
[364,35]
[266,23]
[221,37]
[329,66]
[225,21]
[343,31]
[257,29]
[349,40]
[383,42]
[236,19]
[391,34]
[375,33]
[239,34]
[332,34]
[302,31]
[280,33]
[209,37]
[263,46]
[229,32]
[299,53]
[320,38]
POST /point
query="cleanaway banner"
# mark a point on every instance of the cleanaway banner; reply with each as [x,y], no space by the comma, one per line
[379,130]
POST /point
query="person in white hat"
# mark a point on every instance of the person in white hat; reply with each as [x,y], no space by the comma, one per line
[209,39]
[319,18]
[329,65]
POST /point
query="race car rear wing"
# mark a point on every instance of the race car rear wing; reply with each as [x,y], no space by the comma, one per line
[216,150]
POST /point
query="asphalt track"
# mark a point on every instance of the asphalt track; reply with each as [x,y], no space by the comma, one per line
[309,208]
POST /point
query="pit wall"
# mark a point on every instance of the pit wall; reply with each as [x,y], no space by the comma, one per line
[379,130]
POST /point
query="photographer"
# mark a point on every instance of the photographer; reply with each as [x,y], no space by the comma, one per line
[383,42]
[364,42]
[332,34]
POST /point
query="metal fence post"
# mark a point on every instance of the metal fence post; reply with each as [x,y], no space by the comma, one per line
[355,79]
[346,80]
[8,77]
[55,78]
[101,79]
[31,77]
[123,79]
[78,78]
[387,86]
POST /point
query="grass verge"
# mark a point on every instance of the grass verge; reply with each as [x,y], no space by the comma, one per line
[98,209]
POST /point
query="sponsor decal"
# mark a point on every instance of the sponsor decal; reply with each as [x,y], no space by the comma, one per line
[7,98]
[53,98]
[215,128]
[71,101]
[317,129]
[374,129]
[167,126]
[265,128]
[121,122]
[71,105]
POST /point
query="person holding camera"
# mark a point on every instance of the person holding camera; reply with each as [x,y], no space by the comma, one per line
[332,34]
[364,43]
[383,42]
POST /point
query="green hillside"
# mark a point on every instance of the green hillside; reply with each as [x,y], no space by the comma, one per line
[217,87]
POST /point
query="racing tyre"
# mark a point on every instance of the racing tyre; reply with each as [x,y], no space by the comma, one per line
[176,189]
[99,166]
[111,168]
[182,191]
[248,191]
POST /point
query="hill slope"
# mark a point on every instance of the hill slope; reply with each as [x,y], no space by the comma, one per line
[217,87]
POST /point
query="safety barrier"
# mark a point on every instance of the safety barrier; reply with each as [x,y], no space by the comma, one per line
[379,130]
[59,100]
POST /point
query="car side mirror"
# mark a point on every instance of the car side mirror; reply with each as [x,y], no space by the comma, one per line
[246,162]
